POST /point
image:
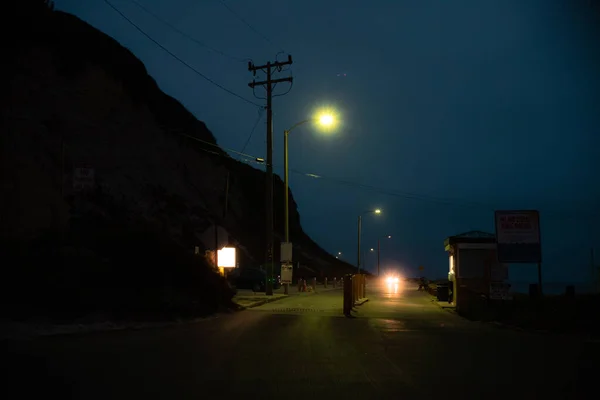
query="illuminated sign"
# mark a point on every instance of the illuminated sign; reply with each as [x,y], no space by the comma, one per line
[226,257]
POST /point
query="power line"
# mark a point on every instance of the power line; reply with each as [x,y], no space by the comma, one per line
[282,66]
[289,89]
[241,19]
[191,38]
[179,59]
[239,153]
[420,197]
[250,159]
[260,114]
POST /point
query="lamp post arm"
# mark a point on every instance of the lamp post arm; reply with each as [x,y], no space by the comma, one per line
[297,124]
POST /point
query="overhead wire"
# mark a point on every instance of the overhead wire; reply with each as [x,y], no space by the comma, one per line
[255,95]
[252,28]
[189,37]
[426,198]
[280,69]
[285,68]
[289,90]
[253,160]
[179,59]
[238,153]
[260,115]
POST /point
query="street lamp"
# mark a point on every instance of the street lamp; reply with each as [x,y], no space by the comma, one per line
[324,119]
[379,249]
[376,211]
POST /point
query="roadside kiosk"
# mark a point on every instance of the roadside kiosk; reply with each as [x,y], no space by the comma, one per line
[474,271]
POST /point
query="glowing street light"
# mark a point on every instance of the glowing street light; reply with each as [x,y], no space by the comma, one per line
[375,211]
[326,119]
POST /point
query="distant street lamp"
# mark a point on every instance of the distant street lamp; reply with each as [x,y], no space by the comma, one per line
[379,249]
[376,211]
[323,119]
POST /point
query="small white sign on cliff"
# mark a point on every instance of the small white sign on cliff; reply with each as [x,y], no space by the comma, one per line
[83,179]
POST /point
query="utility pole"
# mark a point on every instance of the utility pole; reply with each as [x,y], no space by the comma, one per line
[269,84]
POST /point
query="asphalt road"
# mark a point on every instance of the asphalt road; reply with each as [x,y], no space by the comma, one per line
[399,345]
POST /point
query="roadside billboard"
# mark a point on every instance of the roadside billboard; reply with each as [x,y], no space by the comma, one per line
[518,236]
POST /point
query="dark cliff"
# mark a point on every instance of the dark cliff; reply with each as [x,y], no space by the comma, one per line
[73,97]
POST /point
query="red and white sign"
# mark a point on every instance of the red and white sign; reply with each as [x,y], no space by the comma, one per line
[517,227]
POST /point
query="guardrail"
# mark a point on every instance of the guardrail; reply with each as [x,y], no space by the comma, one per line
[311,283]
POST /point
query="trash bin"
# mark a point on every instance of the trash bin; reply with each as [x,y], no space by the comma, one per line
[443,292]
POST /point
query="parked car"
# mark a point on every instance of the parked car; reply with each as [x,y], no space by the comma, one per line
[251,278]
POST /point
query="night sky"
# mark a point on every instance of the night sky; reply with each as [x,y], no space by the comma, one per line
[450,109]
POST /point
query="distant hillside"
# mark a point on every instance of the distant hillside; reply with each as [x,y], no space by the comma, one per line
[73,97]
